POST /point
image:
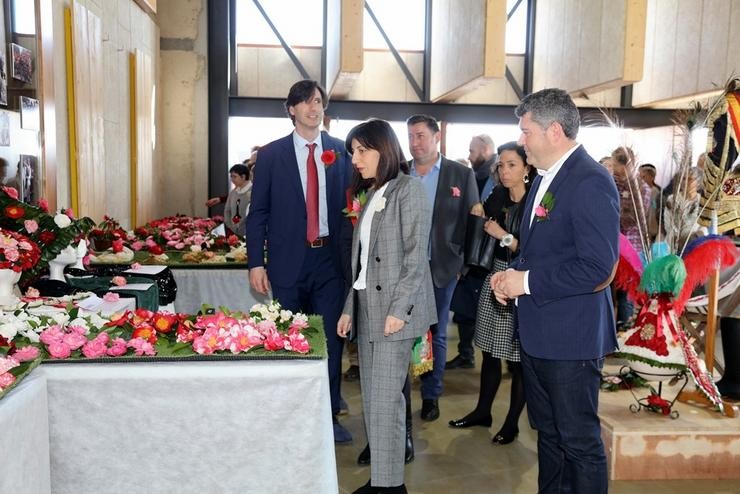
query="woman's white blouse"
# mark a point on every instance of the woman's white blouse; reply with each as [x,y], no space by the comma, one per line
[365,226]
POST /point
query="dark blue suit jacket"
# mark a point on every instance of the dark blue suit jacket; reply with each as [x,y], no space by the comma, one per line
[568,256]
[277,213]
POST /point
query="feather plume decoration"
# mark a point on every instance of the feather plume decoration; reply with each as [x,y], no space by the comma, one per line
[701,258]
[664,275]
[629,270]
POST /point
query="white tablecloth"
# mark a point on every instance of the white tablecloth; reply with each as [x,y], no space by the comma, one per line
[215,427]
[24,438]
[216,287]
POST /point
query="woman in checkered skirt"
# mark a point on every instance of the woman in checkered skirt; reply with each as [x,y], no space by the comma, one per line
[494,326]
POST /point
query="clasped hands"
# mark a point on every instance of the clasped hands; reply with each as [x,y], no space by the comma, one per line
[507,285]
[392,325]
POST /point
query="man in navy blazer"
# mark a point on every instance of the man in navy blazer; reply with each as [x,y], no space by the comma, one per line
[452,193]
[567,257]
[303,266]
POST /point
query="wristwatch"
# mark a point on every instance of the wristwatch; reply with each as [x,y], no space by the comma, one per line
[507,240]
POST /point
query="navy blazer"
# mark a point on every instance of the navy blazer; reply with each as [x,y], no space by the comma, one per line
[568,256]
[277,215]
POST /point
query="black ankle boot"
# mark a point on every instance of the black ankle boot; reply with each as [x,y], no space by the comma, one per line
[409,455]
[366,489]
[364,458]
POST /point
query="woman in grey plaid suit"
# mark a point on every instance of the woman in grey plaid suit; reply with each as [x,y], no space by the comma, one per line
[392,300]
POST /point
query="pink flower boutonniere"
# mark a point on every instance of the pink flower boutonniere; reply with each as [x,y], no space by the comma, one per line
[329,157]
[542,212]
[455,191]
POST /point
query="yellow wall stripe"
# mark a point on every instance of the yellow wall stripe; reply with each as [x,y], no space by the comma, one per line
[133,137]
[71,110]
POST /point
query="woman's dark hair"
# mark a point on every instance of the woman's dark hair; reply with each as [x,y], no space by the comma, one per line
[513,146]
[378,135]
[242,170]
[301,92]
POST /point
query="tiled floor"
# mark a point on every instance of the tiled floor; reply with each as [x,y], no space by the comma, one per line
[452,461]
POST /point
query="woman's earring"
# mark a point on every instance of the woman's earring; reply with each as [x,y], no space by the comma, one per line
[526,179]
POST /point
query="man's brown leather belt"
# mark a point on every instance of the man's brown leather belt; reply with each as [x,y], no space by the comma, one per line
[319,242]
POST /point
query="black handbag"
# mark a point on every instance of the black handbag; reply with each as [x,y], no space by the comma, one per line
[479,245]
[464,301]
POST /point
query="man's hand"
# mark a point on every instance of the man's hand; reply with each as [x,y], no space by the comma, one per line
[507,285]
[258,280]
[344,325]
[392,325]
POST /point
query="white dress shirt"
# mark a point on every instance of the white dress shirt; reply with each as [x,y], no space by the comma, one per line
[301,154]
[365,227]
[547,177]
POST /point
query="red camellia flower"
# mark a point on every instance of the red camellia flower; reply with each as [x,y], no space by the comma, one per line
[163,322]
[329,157]
[12,192]
[14,212]
[155,250]
[117,245]
[232,240]
[47,237]
[145,331]
[44,205]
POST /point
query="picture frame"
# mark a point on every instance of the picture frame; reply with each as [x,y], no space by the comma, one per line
[4,129]
[28,174]
[30,118]
[21,63]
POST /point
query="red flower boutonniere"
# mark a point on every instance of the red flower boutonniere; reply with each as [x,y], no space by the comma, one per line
[329,157]
[455,191]
[542,212]
[236,219]
[354,206]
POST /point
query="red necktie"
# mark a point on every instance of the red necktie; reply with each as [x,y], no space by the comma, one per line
[312,196]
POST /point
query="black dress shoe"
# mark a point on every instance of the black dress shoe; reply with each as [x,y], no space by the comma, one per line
[364,458]
[429,410]
[366,489]
[505,437]
[460,362]
[399,489]
[471,421]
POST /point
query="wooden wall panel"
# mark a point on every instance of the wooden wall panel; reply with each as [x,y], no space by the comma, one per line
[89,82]
[269,72]
[690,51]
[589,46]
[468,45]
[144,139]
[344,47]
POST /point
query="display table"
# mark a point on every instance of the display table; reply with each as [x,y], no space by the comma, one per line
[228,287]
[227,426]
[24,437]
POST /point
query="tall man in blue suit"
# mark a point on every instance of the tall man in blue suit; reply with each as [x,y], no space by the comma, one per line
[294,227]
[567,257]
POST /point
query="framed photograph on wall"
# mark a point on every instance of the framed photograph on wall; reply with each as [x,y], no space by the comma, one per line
[21,63]
[4,129]
[30,119]
[28,173]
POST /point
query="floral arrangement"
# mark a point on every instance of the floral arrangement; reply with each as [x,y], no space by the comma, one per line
[355,204]
[52,233]
[17,252]
[108,234]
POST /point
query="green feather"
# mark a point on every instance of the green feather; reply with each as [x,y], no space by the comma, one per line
[664,275]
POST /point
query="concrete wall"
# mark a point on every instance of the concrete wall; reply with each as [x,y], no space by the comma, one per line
[125,28]
[184,97]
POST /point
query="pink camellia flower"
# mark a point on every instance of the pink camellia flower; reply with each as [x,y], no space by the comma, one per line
[77,329]
[540,211]
[52,334]
[137,246]
[26,353]
[298,343]
[111,297]
[141,346]
[136,265]
[31,226]
[23,245]
[7,363]
[74,340]
[94,349]
[12,192]
[273,341]
[59,350]
[117,348]
[118,280]
[86,260]
[11,254]
[6,380]
[69,213]
[102,338]
[31,292]
[455,192]
[44,205]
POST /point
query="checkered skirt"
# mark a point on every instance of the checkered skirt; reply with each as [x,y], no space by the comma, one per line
[494,324]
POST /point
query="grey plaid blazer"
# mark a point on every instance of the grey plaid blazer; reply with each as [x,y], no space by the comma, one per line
[399,282]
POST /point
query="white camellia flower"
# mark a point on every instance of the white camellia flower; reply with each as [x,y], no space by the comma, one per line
[285,315]
[60,318]
[62,220]
[380,205]
[81,322]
